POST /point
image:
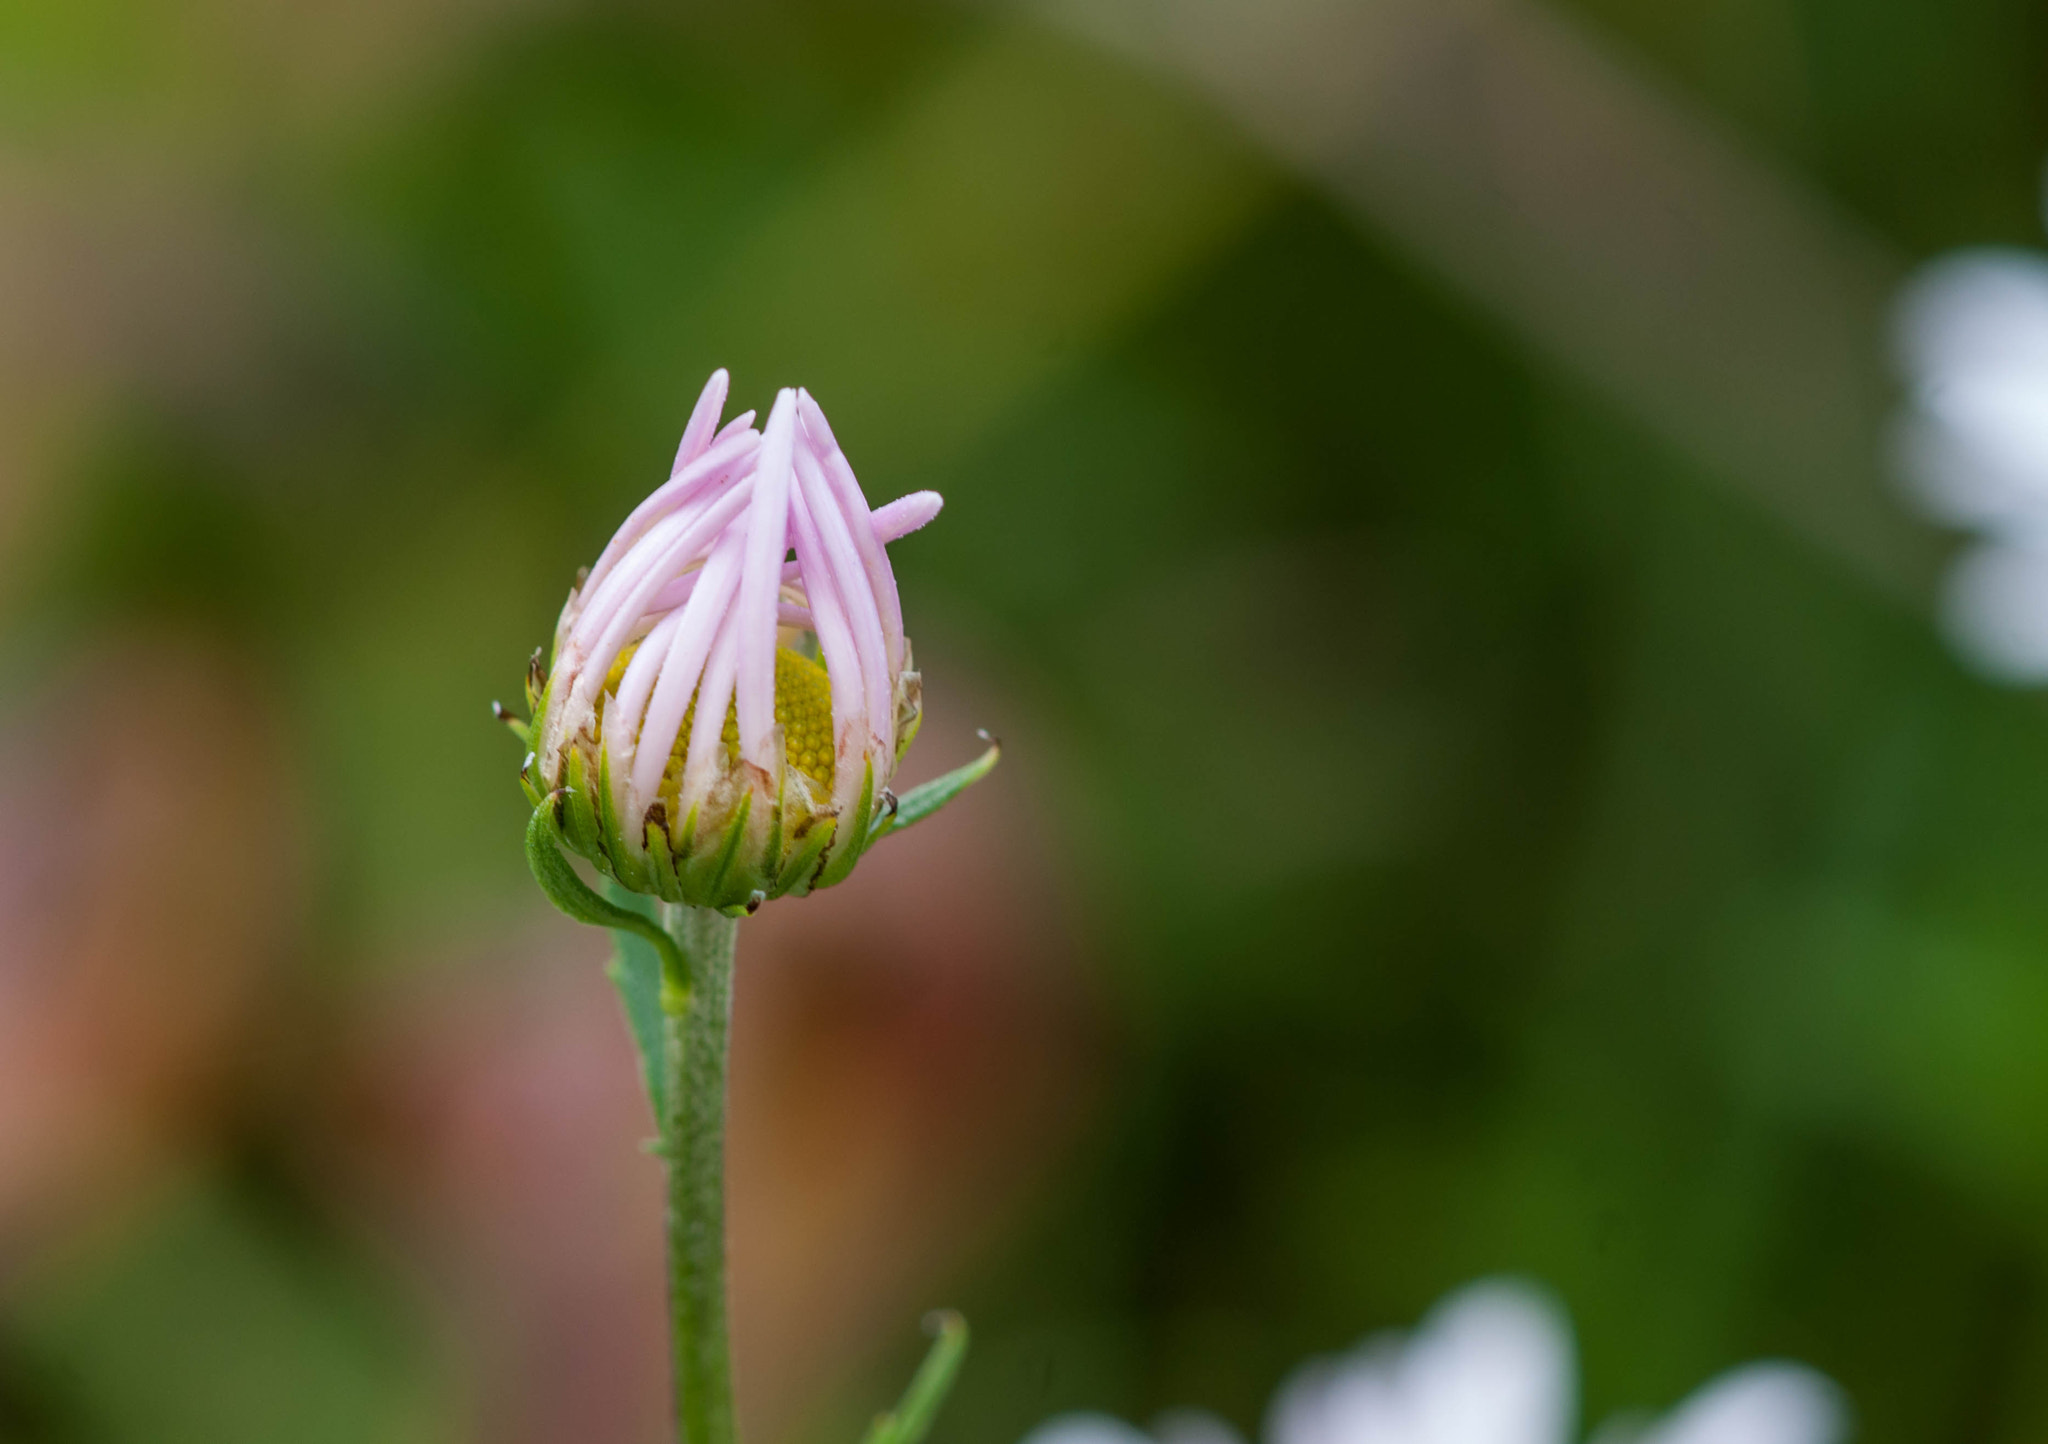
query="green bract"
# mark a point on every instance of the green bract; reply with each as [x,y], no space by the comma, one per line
[755,836]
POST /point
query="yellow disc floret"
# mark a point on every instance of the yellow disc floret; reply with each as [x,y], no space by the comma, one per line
[803,709]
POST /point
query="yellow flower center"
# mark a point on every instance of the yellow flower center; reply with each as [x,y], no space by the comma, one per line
[803,709]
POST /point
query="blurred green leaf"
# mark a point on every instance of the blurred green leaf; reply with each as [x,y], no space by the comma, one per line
[635,970]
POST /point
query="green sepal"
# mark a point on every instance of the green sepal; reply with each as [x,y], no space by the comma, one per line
[579,818]
[518,726]
[573,896]
[540,683]
[687,846]
[529,781]
[912,1417]
[928,797]
[854,837]
[771,855]
[909,734]
[795,877]
[712,881]
[636,971]
[661,863]
[627,866]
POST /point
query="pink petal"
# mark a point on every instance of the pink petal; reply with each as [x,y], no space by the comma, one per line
[673,594]
[726,459]
[893,522]
[761,583]
[899,518]
[835,645]
[703,420]
[622,716]
[846,489]
[714,694]
[664,553]
[592,660]
[702,620]
[851,579]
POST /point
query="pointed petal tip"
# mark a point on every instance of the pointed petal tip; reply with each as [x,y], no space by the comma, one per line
[703,420]
[815,423]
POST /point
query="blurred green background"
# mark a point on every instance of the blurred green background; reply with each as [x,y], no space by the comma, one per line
[1484,790]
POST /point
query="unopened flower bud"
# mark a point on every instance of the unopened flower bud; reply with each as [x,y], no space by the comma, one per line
[721,720]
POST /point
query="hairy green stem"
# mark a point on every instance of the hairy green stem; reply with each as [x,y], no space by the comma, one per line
[698,1019]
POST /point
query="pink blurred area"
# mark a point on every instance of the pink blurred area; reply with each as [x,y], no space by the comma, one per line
[151,875]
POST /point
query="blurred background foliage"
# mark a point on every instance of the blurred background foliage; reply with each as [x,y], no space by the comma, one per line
[1452,823]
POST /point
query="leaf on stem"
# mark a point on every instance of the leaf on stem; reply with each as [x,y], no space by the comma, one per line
[635,970]
[928,797]
[912,1417]
[642,954]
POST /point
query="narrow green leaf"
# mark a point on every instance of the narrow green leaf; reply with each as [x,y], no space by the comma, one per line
[635,970]
[912,1418]
[928,797]
[643,954]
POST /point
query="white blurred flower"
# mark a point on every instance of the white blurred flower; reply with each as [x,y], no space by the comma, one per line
[1758,1404]
[1492,1364]
[1972,445]
[1181,1426]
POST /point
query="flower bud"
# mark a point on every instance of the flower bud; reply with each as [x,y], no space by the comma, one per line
[721,720]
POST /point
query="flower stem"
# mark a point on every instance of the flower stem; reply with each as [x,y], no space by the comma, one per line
[698,1019]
